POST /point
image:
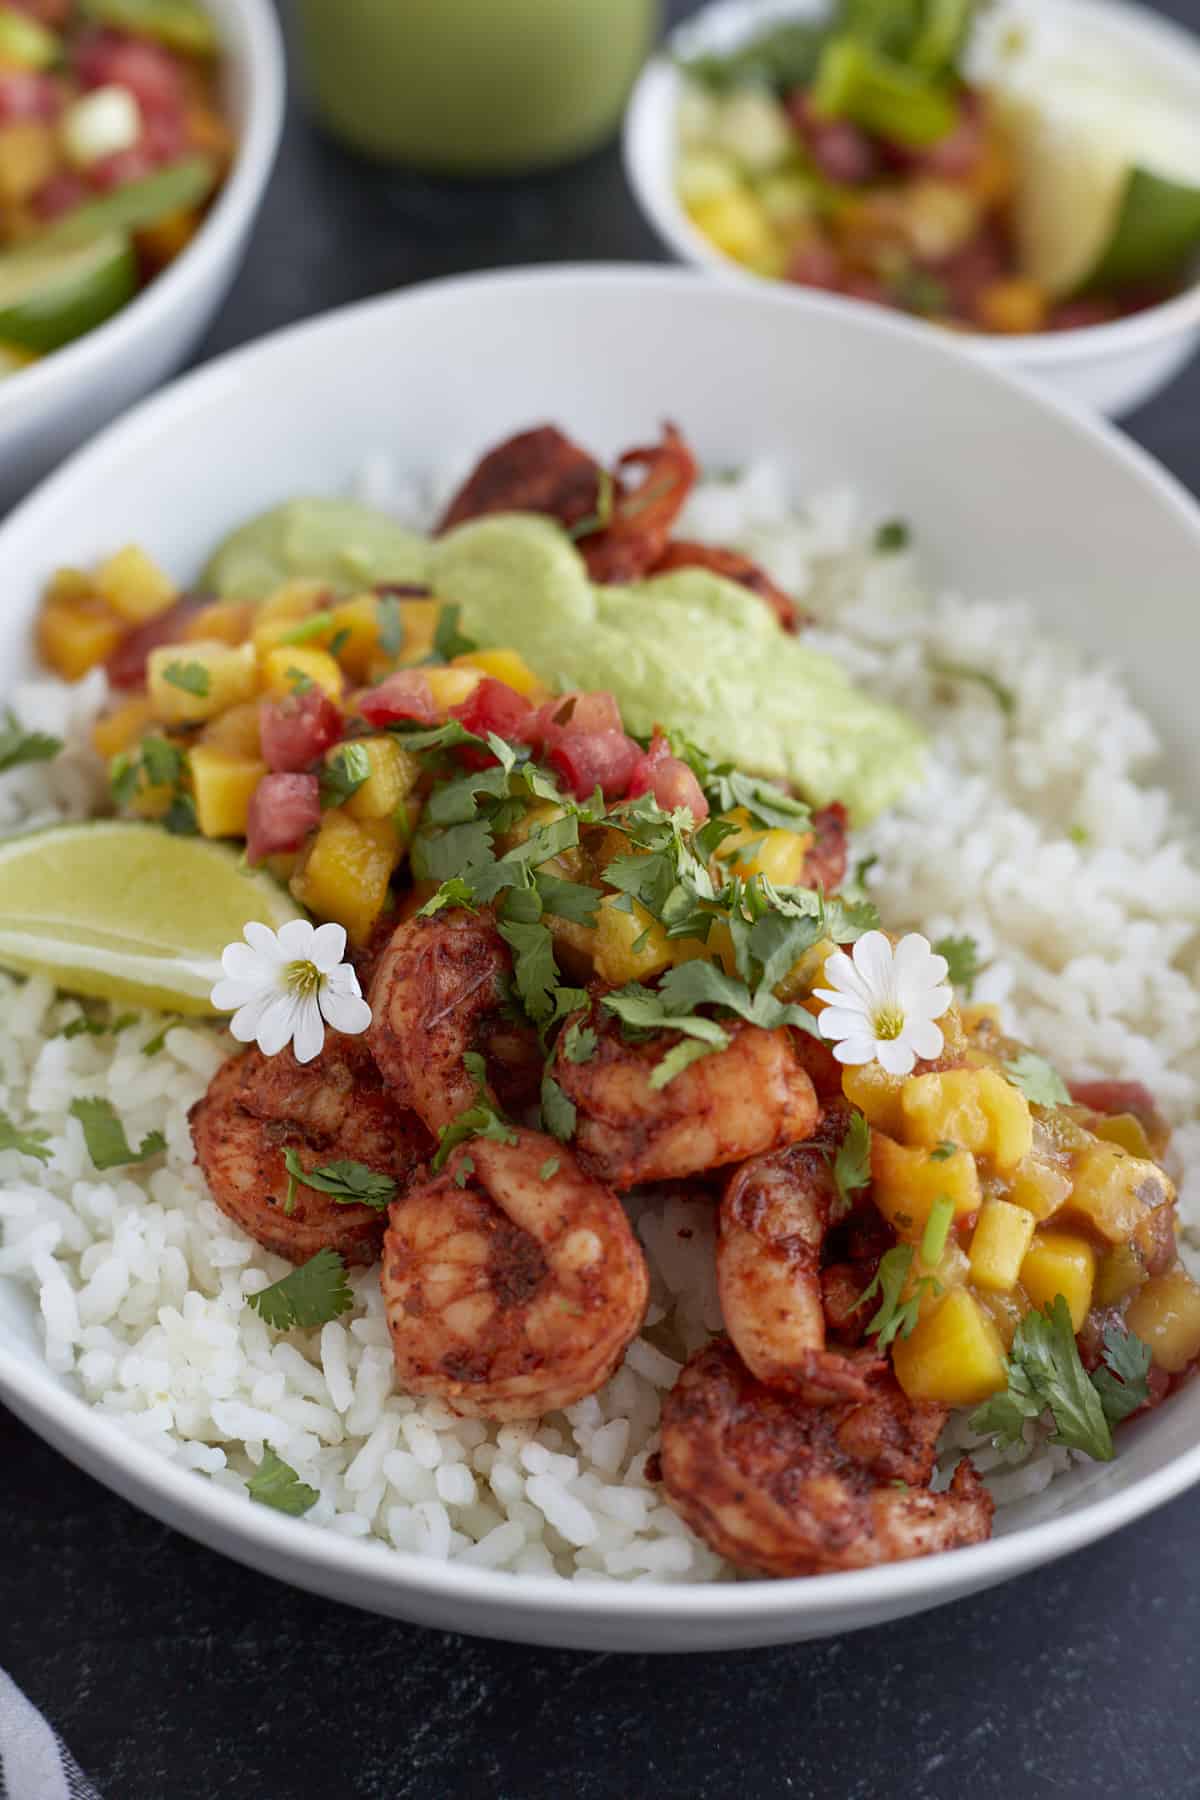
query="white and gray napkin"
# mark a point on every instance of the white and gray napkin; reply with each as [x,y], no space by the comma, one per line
[35,1764]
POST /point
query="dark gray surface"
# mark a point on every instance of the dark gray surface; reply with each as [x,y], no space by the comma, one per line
[172,1672]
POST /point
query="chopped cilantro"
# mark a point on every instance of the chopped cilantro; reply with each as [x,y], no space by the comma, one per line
[1037,1079]
[153,1045]
[315,626]
[26,1143]
[162,761]
[852,1164]
[455,892]
[275,1483]
[1079,834]
[567,899]
[892,535]
[962,959]
[534,967]
[107,1144]
[124,771]
[448,640]
[643,1009]
[390,619]
[339,640]
[180,817]
[579,1042]
[19,746]
[192,677]
[1044,1372]
[312,1294]
[85,1026]
[298,681]
[943,1152]
[558,1112]
[937,1230]
[1004,697]
[549,1168]
[349,1183]
[480,1119]
[1121,1383]
[344,773]
[896,1317]
[464,1171]
[680,1057]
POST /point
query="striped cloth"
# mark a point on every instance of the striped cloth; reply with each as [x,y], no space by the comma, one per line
[35,1764]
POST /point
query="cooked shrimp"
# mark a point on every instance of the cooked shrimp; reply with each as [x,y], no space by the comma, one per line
[751,1097]
[825,864]
[682,554]
[782,1487]
[538,471]
[775,1213]
[512,1281]
[437,992]
[635,538]
[335,1108]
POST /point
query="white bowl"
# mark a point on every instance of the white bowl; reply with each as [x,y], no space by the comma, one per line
[59,402]
[1112,368]
[1010,492]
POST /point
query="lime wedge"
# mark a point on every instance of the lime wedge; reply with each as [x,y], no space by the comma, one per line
[128,913]
[181,24]
[1108,180]
[49,296]
[136,205]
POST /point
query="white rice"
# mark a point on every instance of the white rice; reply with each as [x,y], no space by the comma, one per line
[1032,832]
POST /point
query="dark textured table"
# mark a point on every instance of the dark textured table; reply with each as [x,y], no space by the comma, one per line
[174,1673]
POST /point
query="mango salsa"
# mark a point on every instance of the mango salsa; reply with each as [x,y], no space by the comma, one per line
[974,1108]
[1166,1315]
[629,945]
[346,873]
[998,1247]
[134,586]
[189,683]
[905,1182]
[394,774]
[954,1354]
[1058,1262]
[223,784]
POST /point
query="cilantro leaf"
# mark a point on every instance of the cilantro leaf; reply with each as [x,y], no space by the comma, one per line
[390,625]
[558,1111]
[1003,1416]
[852,1164]
[344,773]
[962,958]
[1044,1371]
[28,1143]
[896,1317]
[693,984]
[107,1144]
[275,1483]
[1004,697]
[312,1294]
[1037,1079]
[549,1168]
[767,804]
[458,850]
[192,677]
[1121,1383]
[534,967]
[892,535]
[154,1044]
[579,1042]
[19,746]
[85,1026]
[644,1009]
[349,1183]
[180,817]
[455,892]
[448,640]
[480,1119]
[943,1152]
[162,762]
[680,1057]
[464,1171]
[567,899]
[315,626]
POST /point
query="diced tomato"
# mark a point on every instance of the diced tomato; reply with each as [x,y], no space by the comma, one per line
[122,167]
[669,779]
[64,191]
[283,810]
[25,94]
[572,712]
[587,760]
[298,728]
[815,265]
[164,136]
[404,695]
[151,73]
[126,667]
[493,706]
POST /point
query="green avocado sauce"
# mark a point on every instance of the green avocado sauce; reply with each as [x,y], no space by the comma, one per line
[687,650]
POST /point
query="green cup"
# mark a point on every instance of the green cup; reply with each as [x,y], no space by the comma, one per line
[470,87]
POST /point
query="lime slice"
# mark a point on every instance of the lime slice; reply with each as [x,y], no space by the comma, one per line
[49,296]
[178,23]
[128,913]
[1108,181]
[137,204]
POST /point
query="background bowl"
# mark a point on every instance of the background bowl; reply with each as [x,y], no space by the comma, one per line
[1010,493]
[1112,368]
[59,402]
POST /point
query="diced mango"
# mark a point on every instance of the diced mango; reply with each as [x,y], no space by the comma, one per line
[189,683]
[420,621]
[74,635]
[1166,1315]
[954,1354]
[630,946]
[1114,1191]
[1013,306]
[975,1108]
[394,774]
[1005,1311]
[117,730]
[755,850]
[223,785]
[282,665]
[905,1182]
[69,584]
[507,666]
[1121,1272]
[237,730]
[450,687]
[951,1270]
[739,225]
[1125,1129]
[134,586]
[227,621]
[1058,1262]
[1039,1186]
[876,1095]
[980,1017]
[1002,1236]
[294,600]
[355,628]
[28,155]
[806,972]
[346,873]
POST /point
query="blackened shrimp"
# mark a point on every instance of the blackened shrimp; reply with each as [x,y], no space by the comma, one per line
[512,1281]
[332,1109]
[635,537]
[438,991]
[783,1487]
[683,554]
[751,1097]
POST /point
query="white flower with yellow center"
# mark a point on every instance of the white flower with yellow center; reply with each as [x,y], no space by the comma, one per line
[881,1003]
[284,987]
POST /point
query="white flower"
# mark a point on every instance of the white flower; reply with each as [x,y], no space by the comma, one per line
[282,987]
[881,1003]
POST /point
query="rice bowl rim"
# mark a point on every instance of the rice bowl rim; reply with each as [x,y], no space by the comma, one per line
[360,1574]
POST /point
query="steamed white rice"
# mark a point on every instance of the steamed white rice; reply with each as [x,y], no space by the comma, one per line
[1032,832]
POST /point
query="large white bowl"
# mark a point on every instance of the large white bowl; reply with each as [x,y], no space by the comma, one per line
[1112,368]
[1009,492]
[59,402]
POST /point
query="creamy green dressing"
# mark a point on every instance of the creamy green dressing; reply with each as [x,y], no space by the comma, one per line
[687,650]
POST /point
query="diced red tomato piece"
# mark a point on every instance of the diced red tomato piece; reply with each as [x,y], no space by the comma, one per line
[122,167]
[151,74]
[283,810]
[25,94]
[572,712]
[126,667]
[298,728]
[164,136]
[493,706]
[61,194]
[669,779]
[404,695]
[587,760]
